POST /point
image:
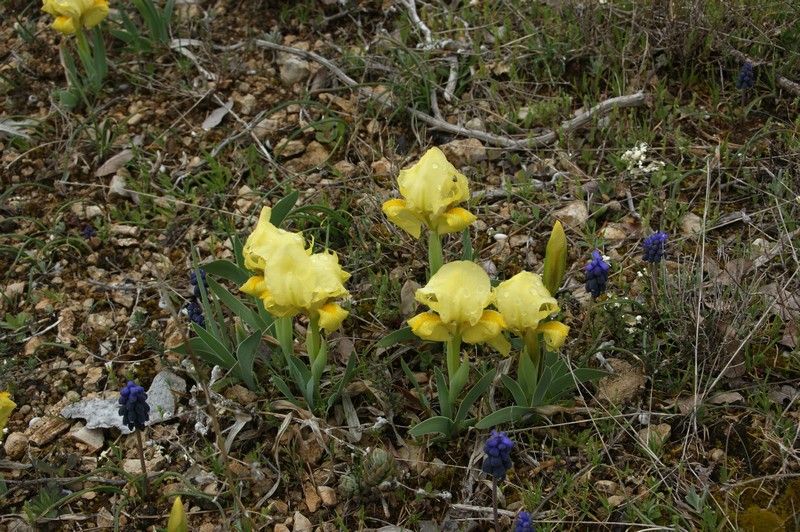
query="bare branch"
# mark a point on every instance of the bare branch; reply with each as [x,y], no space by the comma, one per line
[568,126]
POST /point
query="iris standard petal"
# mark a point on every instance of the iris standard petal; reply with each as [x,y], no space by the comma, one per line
[323,280]
[554,334]
[331,316]
[432,185]
[429,326]
[95,14]
[524,301]
[458,292]
[289,276]
[454,220]
[400,215]
[264,238]
[50,7]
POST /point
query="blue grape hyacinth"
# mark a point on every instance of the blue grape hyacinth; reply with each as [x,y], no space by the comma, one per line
[498,455]
[88,231]
[747,78]
[195,284]
[597,274]
[524,522]
[654,247]
[195,312]
[133,408]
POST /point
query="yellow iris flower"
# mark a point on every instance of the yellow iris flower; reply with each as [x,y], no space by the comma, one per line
[71,15]
[431,189]
[458,295]
[524,302]
[292,280]
[6,407]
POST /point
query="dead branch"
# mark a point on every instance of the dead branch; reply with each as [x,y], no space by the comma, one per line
[568,126]
[782,82]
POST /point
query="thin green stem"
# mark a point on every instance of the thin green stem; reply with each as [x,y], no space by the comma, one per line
[453,347]
[435,256]
[313,339]
[653,267]
[144,463]
[494,505]
[285,334]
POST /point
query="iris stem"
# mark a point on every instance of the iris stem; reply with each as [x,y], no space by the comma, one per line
[313,339]
[435,256]
[453,359]
[283,330]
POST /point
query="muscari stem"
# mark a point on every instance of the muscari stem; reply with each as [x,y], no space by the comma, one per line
[144,464]
[653,267]
[494,504]
[435,256]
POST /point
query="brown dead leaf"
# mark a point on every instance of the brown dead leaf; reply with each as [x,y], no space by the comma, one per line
[312,498]
[215,117]
[113,164]
[408,305]
[726,398]
[790,335]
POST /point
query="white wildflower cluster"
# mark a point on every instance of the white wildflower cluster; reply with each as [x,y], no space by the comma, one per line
[636,158]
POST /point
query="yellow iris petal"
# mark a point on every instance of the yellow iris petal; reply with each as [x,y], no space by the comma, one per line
[400,215]
[488,330]
[64,25]
[429,326]
[50,7]
[554,334]
[524,301]
[255,286]
[454,220]
[265,238]
[6,407]
[431,189]
[458,292]
[331,316]
[95,15]
[73,14]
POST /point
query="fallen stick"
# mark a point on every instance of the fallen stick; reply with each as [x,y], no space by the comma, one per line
[784,83]
[568,126]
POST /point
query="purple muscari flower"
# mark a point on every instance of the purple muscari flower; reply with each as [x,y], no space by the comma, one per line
[88,231]
[498,455]
[597,274]
[133,408]
[193,281]
[654,246]
[195,312]
[524,522]
[746,77]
